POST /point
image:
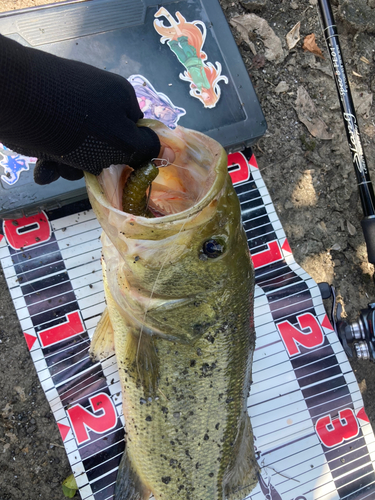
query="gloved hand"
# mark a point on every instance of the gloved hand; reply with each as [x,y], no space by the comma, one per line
[70,115]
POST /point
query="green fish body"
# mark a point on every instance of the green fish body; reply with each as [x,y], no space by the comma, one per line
[179,291]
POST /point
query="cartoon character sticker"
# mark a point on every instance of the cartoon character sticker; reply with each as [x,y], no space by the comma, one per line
[13,164]
[186,40]
[155,104]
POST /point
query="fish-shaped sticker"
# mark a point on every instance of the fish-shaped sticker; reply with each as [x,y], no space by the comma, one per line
[186,40]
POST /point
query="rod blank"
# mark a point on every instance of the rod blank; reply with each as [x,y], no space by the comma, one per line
[365,187]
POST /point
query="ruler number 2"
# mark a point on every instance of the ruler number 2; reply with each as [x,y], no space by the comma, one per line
[293,336]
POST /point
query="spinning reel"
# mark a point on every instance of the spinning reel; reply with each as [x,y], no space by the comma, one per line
[359,333]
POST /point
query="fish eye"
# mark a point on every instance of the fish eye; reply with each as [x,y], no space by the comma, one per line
[212,248]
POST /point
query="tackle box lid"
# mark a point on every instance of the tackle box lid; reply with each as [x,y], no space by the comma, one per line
[180,57]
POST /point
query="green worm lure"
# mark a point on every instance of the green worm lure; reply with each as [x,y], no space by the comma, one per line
[134,198]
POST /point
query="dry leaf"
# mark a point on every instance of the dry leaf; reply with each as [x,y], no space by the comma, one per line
[293,37]
[248,23]
[308,115]
[310,45]
[243,30]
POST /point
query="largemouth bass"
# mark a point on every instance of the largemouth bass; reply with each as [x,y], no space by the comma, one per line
[179,292]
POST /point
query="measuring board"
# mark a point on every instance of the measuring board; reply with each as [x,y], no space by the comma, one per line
[312,436]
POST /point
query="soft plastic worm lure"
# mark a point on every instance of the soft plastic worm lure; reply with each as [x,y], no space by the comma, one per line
[134,197]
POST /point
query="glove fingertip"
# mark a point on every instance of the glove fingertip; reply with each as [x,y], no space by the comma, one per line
[45,172]
[70,173]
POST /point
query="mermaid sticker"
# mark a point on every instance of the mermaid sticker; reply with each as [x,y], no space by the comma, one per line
[155,104]
[186,40]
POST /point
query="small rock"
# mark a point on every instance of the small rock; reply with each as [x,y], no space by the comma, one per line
[362,386]
[21,392]
[336,247]
[294,5]
[254,5]
[351,229]
[288,205]
[337,262]
[323,226]
[281,87]
[369,129]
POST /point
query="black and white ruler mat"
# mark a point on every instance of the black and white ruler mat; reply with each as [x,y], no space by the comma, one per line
[312,435]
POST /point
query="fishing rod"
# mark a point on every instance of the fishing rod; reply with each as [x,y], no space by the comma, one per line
[359,334]
[365,187]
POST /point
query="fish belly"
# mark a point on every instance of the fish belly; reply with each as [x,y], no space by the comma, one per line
[190,437]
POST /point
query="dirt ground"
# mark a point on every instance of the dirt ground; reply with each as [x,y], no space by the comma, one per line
[311,182]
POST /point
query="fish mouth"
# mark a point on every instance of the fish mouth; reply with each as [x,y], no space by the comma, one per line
[182,188]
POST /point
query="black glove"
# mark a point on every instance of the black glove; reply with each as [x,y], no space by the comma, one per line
[69,115]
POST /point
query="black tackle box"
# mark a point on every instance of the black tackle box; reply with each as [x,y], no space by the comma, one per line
[179,55]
